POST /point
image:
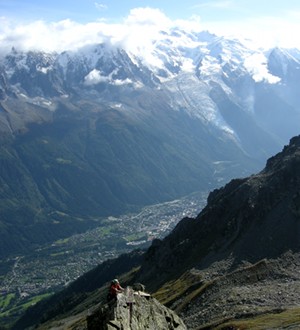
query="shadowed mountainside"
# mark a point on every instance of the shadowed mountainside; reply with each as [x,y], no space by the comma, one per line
[248,219]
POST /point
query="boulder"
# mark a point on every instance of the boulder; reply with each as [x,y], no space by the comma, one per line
[134,311]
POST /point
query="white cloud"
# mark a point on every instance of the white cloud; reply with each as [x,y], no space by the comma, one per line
[257,67]
[294,14]
[193,24]
[221,4]
[58,36]
[100,6]
[136,33]
[148,17]
[140,31]
[143,26]
[119,82]
[264,31]
[93,78]
[188,65]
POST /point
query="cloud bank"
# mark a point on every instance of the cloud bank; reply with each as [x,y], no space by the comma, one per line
[139,31]
[136,32]
[256,64]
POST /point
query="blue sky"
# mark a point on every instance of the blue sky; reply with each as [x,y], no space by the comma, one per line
[52,24]
[115,10]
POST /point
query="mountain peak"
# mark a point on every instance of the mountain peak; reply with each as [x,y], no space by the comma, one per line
[284,160]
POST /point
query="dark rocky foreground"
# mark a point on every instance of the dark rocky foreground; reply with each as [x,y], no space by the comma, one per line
[132,310]
[269,288]
[264,295]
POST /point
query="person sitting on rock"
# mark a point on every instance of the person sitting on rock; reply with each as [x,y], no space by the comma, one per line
[114,289]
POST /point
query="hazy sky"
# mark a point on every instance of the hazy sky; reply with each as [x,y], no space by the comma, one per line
[53,24]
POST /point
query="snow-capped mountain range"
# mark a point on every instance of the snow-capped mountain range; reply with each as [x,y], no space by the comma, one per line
[140,126]
[185,68]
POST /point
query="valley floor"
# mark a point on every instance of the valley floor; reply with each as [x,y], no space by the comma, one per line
[27,279]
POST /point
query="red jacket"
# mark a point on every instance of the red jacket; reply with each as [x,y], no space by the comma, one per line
[114,289]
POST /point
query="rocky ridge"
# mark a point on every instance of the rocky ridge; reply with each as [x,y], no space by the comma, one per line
[140,311]
[133,310]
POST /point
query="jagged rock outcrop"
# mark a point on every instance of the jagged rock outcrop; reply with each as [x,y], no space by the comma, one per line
[134,312]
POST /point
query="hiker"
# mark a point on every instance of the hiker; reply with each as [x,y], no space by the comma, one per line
[114,289]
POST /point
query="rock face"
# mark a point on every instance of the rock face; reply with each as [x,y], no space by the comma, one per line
[134,312]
